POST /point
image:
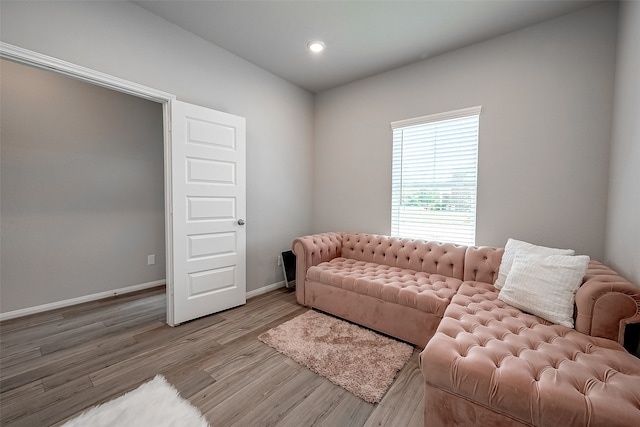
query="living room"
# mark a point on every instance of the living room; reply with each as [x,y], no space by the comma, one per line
[558,134]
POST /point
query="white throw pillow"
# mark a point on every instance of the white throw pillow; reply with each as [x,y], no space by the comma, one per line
[514,246]
[545,286]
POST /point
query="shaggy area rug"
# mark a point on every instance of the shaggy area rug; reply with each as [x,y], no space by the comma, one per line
[357,359]
[155,403]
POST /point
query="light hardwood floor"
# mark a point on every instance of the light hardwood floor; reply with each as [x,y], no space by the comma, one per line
[56,364]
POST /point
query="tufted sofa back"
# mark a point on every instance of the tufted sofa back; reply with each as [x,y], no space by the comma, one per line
[481,264]
[419,255]
[605,303]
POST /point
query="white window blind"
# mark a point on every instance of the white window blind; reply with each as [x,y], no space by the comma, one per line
[434,179]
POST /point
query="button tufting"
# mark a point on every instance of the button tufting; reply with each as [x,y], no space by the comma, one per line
[537,375]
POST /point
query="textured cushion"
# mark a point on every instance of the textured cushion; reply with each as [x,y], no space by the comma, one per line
[430,293]
[510,250]
[520,365]
[545,286]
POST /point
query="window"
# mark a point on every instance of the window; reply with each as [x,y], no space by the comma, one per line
[434,178]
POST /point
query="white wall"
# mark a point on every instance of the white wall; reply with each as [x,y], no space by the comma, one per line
[623,220]
[82,188]
[122,39]
[546,93]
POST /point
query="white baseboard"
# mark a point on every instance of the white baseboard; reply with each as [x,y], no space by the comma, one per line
[265,289]
[93,297]
[73,301]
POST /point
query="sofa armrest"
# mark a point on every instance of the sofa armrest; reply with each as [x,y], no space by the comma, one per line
[605,303]
[312,250]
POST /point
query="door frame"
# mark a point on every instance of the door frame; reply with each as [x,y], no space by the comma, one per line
[28,57]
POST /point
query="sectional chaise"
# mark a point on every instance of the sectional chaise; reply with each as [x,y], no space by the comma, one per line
[486,361]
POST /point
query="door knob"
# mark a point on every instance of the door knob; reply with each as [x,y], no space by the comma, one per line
[241,222]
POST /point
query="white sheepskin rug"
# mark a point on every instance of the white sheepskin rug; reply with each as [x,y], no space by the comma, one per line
[155,403]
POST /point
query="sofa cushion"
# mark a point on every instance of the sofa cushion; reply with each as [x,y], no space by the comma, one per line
[524,367]
[545,286]
[430,293]
[514,246]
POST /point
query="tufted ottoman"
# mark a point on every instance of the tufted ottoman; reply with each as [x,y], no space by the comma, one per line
[491,364]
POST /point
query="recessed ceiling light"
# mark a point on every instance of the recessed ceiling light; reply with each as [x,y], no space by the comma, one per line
[316,46]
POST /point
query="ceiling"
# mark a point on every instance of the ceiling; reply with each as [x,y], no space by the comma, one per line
[363,38]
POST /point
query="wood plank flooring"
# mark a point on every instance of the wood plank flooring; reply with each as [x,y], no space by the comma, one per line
[54,365]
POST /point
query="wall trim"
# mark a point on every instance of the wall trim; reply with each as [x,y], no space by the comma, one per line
[265,289]
[79,300]
[456,114]
[106,294]
[28,57]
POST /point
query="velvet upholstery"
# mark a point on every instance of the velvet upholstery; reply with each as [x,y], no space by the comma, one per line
[396,275]
[605,303]
[445,409]
[484,362]
[423,291]
[405,323]
[418,255]
[518,365]
[312,250]
[482,263]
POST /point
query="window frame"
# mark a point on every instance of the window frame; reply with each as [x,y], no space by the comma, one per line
[397,200]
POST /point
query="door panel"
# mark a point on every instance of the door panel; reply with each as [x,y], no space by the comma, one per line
[208,200]
[212,244]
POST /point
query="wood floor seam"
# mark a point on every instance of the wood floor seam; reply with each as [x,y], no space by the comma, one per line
[56,364]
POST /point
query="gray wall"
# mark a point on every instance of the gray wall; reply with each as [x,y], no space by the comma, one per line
[623,220]
[546,93]
[122,39]
[82,188]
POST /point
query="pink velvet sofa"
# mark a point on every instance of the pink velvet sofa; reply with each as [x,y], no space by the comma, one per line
[484,362]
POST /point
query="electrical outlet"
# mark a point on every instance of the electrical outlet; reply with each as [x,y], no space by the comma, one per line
[151,260]
[279,259]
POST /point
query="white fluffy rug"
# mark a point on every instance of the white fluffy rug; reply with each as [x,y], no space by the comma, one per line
[155,403]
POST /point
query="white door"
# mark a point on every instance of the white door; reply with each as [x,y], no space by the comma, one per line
[207,213]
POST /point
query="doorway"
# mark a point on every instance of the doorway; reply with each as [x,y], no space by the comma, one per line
[36,60]
[82,190]
[211,136]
